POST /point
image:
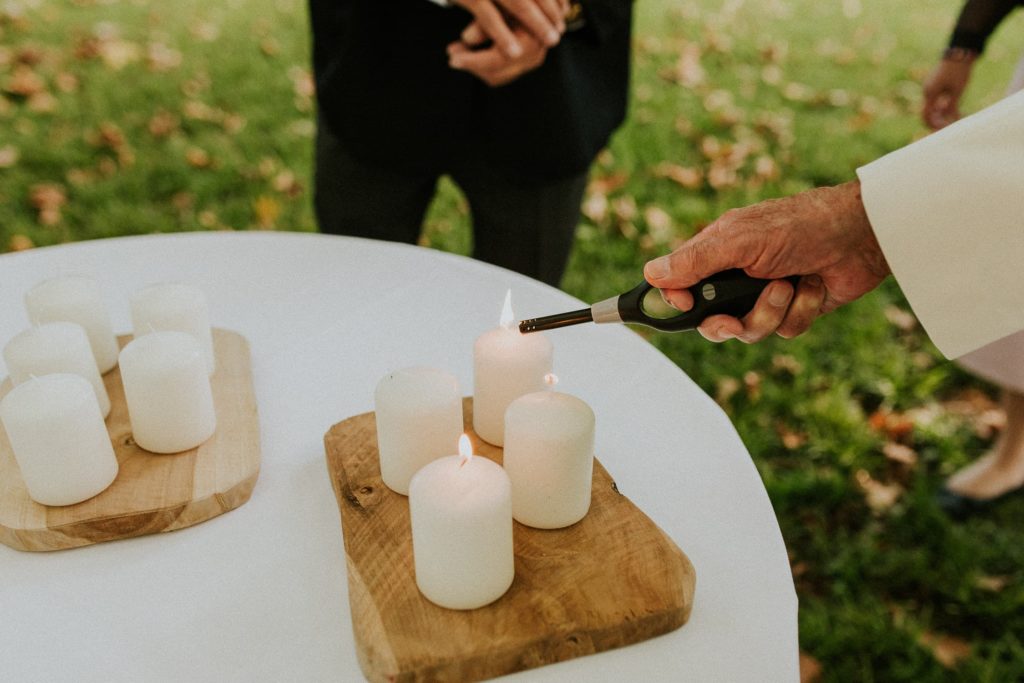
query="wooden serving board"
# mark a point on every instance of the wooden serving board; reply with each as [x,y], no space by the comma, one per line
[152,493]
[612,579]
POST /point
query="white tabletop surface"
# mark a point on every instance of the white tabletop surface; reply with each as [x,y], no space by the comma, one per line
[260,594]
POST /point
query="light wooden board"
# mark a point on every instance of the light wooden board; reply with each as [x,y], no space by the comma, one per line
[612,579]
[152,493]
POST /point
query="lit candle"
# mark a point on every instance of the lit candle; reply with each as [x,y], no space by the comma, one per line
[461,512]
[172,306]
[419,417]
[170,403]
[506,365]
[59,439]
[549,457]
[76,299]
[51,348]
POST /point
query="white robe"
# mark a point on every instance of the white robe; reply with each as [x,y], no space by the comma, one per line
[948,212]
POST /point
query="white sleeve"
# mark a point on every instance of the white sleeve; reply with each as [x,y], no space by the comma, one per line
[948,212]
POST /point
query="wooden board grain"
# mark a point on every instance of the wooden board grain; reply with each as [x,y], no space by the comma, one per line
[610,580]
[152,493]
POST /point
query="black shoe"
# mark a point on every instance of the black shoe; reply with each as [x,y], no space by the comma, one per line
[959,506]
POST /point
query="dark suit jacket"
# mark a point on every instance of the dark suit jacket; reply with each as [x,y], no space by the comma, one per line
[385,88]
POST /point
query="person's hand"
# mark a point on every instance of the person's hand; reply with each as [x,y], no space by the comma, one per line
[823,235]
[942,91]
[491,64]
[544,20]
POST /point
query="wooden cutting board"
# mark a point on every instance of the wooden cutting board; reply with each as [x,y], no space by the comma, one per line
[612,579]
[152,493]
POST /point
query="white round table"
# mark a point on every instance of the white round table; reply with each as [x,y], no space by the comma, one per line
[260,593]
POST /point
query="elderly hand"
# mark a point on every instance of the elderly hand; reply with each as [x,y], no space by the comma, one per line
[942,91]
[823,235]
[544,20]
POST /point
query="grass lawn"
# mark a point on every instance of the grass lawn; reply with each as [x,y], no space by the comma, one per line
[139,116]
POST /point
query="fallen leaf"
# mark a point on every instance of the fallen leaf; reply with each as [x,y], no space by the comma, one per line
[687,177]
[24,82]
[725,389]
[904,320]
[162,124]
[810,668]
[8,156]
[993,584]
[624,208]
[752,381]
[897,452]
[197,157]
[879,497]
[159,57]
[791,439]
[20,243]
[267,210]
[787,363]
[948,650]
[595,207]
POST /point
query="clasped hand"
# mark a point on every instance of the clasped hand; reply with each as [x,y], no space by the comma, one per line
[520,31]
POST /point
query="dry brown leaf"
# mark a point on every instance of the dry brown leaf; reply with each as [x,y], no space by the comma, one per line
[606,184]
[752,381]
[66,82]
[24,82]
[897,452]
[286,183]
[8,156]
[904,320]
[20,242]
[267,210]
[993,584]
[162,124]
[725,389]
[948,650]
[791,439]
[206,31]
[595,207]
[624,208]
[688,71]
[117,54]
[879,497]
[810,668]
[787,363]
[207,218]
[197,157]
[687,177]
[159,57]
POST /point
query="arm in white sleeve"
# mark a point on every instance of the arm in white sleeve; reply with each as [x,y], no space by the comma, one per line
[948,212]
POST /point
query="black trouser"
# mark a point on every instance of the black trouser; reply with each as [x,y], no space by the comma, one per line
[525,229]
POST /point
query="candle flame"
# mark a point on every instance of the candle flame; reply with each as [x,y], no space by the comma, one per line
[550,379]
[465,450]
[508,319]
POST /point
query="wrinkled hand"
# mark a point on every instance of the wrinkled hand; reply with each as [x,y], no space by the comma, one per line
[491,64]
[942,91]
[544,20]
[822,234]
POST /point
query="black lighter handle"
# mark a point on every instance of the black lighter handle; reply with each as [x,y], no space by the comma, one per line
[730,292]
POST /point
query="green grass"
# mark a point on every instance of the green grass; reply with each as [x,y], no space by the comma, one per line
[235,153]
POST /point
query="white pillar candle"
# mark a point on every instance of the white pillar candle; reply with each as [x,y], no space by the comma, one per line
[76,299]
[419,417]
[172,306]
[461,513]
[167,389]
[59,439]
[55,348]
[549,457]
[506,365]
